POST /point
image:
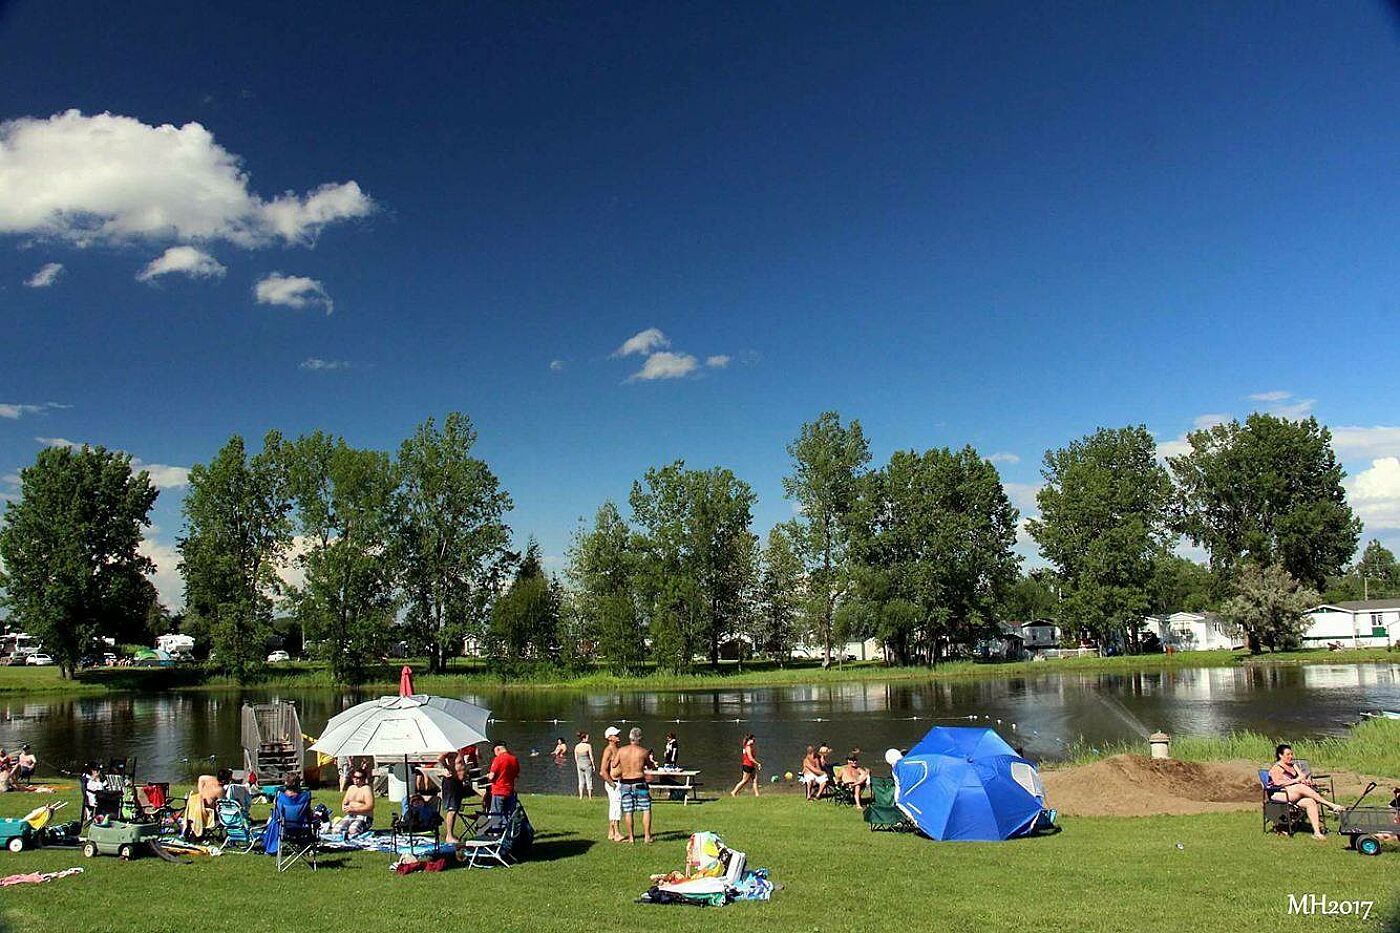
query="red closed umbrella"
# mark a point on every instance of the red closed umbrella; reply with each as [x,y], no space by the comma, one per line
[406,681]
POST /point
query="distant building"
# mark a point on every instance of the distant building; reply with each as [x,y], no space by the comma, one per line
[1193,631]
[868,650]
[1008,644]
[1039,634]
[1362,623]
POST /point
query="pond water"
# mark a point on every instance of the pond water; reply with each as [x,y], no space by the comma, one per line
[173,734]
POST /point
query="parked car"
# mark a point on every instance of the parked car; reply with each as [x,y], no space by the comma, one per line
[277,657]
[38,659]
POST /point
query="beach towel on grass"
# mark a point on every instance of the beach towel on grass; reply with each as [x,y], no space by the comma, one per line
[379,841]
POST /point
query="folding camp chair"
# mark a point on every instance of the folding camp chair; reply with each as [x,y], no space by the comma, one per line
[418,819]
[1280,816]
[237,828]
[510,846]
[298,834]
[881,813]
[843,795]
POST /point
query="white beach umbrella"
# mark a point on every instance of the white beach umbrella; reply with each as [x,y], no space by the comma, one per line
[404,725]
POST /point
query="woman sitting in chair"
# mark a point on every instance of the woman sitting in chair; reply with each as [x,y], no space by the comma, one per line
[1288,783]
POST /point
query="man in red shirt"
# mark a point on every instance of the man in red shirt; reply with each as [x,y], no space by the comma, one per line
[505,768]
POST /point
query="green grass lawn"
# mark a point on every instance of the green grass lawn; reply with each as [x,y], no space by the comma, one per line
[1178,874]
[467,675]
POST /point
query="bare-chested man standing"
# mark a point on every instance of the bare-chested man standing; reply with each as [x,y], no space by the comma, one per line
[631,763]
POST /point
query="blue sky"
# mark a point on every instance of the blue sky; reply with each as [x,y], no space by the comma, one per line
[1000,226]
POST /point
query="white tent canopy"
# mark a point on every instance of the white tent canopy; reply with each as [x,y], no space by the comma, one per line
[404,725]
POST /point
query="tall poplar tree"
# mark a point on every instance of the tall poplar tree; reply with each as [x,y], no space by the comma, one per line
[451,535]
[347,602]
[237,533]
[828,460]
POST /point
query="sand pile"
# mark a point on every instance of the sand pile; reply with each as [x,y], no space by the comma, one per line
[1132,785]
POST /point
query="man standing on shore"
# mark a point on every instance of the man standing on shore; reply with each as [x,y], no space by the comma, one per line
[610,785]
[632,763]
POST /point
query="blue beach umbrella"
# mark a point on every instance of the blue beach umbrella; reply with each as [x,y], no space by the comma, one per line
[968,784]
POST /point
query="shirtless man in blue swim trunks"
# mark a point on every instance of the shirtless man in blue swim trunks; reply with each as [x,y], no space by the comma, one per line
[631,763]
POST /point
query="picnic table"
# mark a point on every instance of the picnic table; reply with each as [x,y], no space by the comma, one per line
[683,784]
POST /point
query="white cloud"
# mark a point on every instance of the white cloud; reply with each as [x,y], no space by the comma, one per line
[1004,457]
[12,479]
[186,260]
[556,366]
[1378,441]
[111,178]
[665,365]
[718,361]
[1374,494]
[47,275]
[1204,422]
[290,568]
[317,365]
[57,442]
[166,578]
[1295,410]
[292,291]
[14,410]
[1022,495]
[163,475]
[647,341]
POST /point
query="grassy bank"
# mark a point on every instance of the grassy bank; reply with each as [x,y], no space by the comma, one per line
[1372,747]
[466,676]
[1178,874]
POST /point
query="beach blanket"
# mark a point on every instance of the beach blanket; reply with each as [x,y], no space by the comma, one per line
[38,877]
[380,841]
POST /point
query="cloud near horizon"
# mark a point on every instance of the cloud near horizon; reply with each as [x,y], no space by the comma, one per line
[292,291]
[109,178]
[46,276]
[1374,494]
[184,260]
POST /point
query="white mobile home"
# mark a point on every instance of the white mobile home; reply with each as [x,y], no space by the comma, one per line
[1039,634]
[1193,631]
[1370,623]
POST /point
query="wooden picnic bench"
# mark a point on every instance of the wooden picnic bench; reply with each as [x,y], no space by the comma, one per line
[685,782]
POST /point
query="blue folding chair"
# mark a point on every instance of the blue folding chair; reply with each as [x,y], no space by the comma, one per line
[293,832]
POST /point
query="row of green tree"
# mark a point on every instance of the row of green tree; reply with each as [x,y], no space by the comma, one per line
[361,549]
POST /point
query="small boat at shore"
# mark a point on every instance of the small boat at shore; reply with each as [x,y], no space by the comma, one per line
[1380,714]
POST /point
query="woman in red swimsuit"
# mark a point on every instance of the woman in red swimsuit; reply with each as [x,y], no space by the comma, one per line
[750,764]
[1292,784]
